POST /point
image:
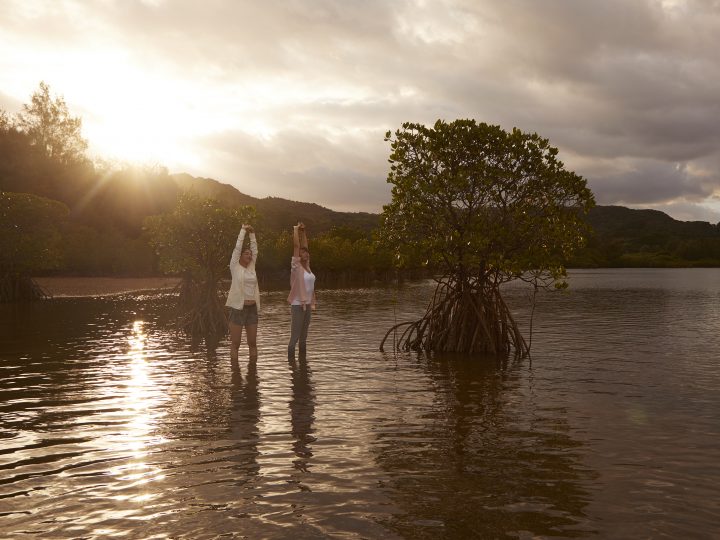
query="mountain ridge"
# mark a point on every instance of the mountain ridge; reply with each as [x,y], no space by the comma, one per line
[277,212]
[187,181]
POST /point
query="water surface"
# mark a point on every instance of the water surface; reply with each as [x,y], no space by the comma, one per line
[113,427]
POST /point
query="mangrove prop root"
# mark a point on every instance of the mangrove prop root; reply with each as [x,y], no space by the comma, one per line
[462,317]
[201,313]
[19,288]
[399,325]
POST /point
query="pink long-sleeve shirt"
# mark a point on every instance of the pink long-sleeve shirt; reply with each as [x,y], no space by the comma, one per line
[297,284]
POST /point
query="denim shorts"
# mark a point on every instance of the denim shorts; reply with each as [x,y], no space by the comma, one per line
[247,316]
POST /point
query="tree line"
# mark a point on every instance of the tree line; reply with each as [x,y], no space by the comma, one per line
[623,237]
[62,213]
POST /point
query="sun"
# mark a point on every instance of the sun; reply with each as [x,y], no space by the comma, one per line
[137,140]
[143,128]
[134,115]
[142,111]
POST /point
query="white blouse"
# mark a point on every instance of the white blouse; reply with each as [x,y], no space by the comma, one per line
[309,278]
[249,284]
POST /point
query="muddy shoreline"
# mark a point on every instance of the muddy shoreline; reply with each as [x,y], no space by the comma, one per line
[102,286]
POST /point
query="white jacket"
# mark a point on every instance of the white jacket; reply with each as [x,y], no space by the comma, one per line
[236,295]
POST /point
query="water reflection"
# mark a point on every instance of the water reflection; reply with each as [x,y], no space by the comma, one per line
[243,423]
[137,398]
[302,415]
[476,464]
[111,425]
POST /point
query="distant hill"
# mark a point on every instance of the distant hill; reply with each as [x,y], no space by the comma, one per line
[122,199]
[277,213]
[618,220]
[625,237]
[108,209]
[639,229]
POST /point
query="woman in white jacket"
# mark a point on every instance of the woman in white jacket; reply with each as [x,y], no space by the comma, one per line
[244,295]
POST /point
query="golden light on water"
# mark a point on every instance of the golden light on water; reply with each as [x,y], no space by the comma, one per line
[138,401]
[138,396]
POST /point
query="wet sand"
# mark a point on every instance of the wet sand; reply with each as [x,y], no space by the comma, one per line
[101,286]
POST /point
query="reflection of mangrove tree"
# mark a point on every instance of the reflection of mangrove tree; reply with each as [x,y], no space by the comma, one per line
[474,466]
[486,207]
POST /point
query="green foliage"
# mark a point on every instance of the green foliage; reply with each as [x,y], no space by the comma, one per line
[346,250]
[106,252]
[276,248]
[51,129]
[30,240]
[122,197]
[341,255]
[5,123]
[481,202]
[41,151]
[197,237]
[348,233]
[625,237]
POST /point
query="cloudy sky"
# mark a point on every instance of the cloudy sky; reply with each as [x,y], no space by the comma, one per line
[291,98]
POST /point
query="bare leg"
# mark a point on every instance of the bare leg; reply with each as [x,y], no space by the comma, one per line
[251,332]
[235,340]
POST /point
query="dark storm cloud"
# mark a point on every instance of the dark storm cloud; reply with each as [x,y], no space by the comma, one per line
[668,183]
[644,85]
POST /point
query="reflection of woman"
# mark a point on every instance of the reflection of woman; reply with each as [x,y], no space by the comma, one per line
[244,418]
[244,296]
[302,292]
[302,413]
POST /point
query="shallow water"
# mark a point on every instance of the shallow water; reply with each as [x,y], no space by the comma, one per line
[113,427]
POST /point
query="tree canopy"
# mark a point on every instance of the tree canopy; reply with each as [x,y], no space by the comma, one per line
[480,201]
[197,236]
[109,202]
[30,242]
[51,128]
[486,206]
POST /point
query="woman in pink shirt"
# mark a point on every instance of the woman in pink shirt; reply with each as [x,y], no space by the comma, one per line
[302,292]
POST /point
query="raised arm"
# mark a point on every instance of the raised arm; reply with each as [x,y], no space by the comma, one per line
[253,243]
[296,240]
[235,257]
[303,236]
